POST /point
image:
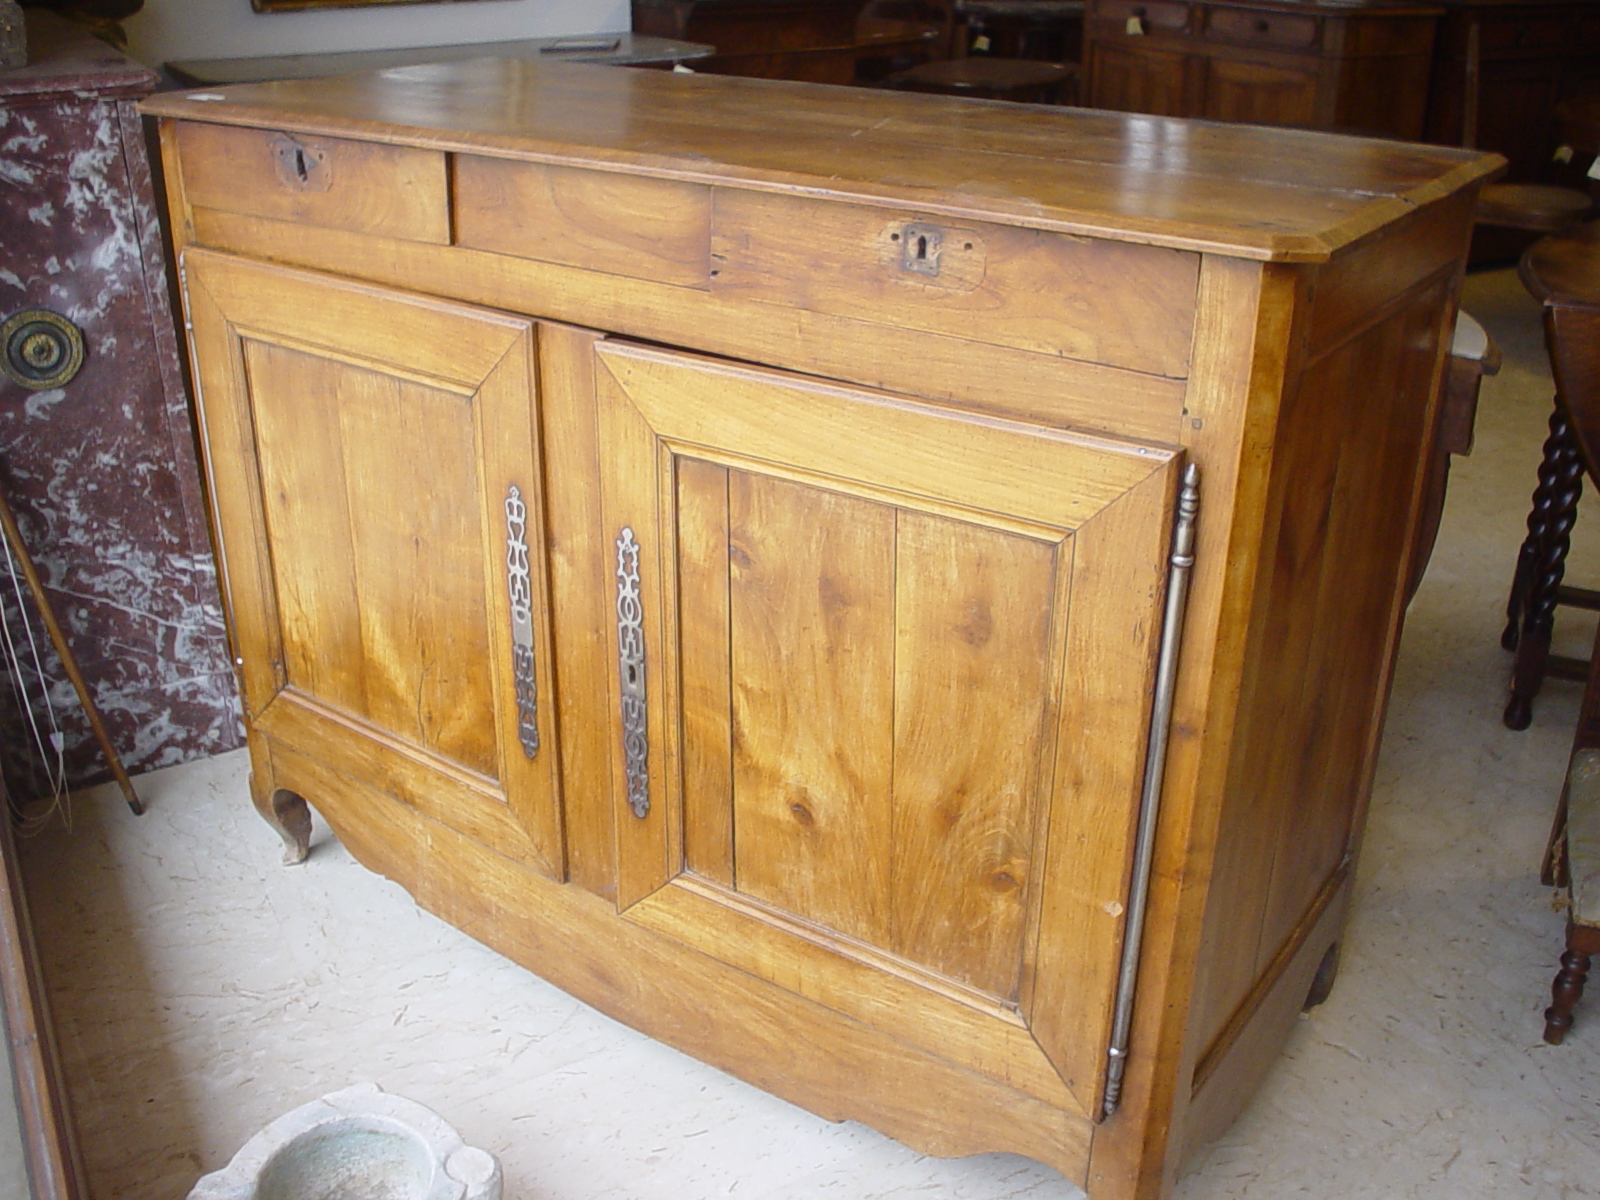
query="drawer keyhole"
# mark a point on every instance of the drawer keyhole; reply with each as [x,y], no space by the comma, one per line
[301,167]
[919,248]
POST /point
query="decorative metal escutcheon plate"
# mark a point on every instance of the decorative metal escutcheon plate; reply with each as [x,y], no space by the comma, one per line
[519,583]
[630,664]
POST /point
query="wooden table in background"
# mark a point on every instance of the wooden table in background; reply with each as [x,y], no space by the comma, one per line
[612,49]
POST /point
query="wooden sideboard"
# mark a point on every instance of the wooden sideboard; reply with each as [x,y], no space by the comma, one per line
[1356,68]
[721,543]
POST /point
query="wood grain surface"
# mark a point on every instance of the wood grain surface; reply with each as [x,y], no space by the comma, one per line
[1280,194]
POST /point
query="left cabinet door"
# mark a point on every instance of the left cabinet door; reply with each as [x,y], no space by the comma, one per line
[374,460]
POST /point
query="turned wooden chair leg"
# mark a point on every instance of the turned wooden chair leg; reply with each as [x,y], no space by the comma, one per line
[1542,564]
[1578,858]
[1565,993]
[1583,942]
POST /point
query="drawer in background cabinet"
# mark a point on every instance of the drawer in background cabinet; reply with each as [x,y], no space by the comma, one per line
[1258,28]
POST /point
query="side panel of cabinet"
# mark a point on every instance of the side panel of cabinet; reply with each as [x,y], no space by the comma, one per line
[882,700]
[374,457]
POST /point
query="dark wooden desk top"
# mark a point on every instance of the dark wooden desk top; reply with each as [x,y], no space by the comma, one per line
[1565,269]
[612,49]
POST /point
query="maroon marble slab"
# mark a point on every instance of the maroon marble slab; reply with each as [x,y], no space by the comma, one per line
[102,472]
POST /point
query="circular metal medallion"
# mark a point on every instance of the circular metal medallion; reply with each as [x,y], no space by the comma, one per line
[40,349]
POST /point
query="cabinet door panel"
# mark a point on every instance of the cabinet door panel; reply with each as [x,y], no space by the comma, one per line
[811,624]
[878,770]
[1137,79]
[391,578]
[974,613]
[383,540]
[1260,93]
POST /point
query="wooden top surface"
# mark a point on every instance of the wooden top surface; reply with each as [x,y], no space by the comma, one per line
[1253,192]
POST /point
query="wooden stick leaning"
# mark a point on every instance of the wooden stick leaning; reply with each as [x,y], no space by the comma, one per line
[13,535]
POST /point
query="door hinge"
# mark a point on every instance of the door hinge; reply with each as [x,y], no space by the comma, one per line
[1182,562]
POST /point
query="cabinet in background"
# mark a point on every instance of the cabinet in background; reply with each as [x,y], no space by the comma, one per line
[727,561]
[1500,69]
[1354,68]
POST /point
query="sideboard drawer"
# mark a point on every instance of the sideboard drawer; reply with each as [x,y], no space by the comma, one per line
[643,228]
[1123,305]
[362,187]
[1261,28]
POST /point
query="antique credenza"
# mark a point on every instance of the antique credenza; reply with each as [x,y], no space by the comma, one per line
[722,542]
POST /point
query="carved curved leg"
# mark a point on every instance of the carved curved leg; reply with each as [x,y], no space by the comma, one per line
[290,816]
[1560,486]
[1565,993]
[1322,982]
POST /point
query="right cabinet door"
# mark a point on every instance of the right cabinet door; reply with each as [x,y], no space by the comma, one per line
[882,699]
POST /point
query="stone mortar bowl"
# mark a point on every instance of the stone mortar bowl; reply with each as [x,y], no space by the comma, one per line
[357,1144]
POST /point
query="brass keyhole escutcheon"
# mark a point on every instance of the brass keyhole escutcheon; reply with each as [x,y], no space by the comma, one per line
[41,349]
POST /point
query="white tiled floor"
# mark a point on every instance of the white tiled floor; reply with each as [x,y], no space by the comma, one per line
[200,989]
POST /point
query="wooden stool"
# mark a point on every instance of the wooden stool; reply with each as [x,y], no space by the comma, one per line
[1019,79]
[1564,273]
[1044,30]
[1509,215]
[1535,207]
[1473,355]
[988,77]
